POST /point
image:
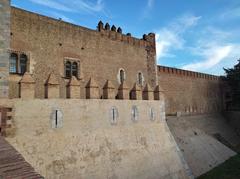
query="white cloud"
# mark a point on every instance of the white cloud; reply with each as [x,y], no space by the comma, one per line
[52,4]
[211,47]
[184,22]
[166,40]
[231,14]
[171,37]
[61,16]
[146,12]
[97,6]
[73,6]
[213,50]
[213,56]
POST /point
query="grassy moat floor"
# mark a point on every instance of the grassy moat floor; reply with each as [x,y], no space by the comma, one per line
[230,169]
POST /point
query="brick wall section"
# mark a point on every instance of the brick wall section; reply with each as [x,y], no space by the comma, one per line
[151,59]
[48,41]
[13,165]
[4,46]
[190,92]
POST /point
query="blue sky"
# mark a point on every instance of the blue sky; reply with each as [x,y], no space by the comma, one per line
[198,35]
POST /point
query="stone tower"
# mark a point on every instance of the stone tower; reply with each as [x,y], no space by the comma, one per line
[4,46]
[151,59]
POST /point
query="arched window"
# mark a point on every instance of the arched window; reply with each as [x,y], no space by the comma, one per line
[122,76]
[23,64]
[68,69]
[75,69]
[140,79]
[13,63]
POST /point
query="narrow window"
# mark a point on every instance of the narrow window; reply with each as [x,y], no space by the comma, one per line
[56,118]
[140,78]
[23,64]
[152,114]
[68,69]
[13,63]
[113,115]
[134,113]
[122,76]
[75,69]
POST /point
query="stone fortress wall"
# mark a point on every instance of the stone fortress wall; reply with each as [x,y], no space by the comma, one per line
[102,53]
[83,139]
[190,92]
[90,137]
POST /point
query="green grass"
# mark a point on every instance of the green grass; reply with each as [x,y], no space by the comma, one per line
[230,169]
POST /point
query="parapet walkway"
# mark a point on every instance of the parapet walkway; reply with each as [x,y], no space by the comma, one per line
[203,140]
[13,165]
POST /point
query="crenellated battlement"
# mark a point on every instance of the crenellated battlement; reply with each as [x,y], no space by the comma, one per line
[186,73]
[115,33]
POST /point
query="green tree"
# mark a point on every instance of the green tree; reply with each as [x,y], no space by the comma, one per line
[233,80]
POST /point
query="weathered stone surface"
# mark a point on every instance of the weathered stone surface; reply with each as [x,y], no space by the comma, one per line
[123,91]
[92,89]
[52,87]
[74,88]
[27,86]
[148,92]
[183,89]
[101,58]
[27,78]
[4,46]
[100,55]
[158,93]
[195,137]
[136,92]
[140,149]
[74,81]
[151,59]
[52,80]
[87,137]
[109,90]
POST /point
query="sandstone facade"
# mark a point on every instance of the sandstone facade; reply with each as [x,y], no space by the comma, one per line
[104,54]
[89,144]
[190,92]
[101,54]
[92,134]
[4,46]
